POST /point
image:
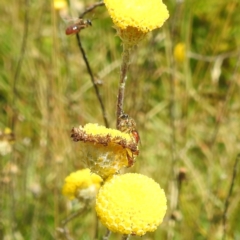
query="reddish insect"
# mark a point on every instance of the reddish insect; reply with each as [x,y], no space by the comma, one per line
[78,26]
[128,125]
[136,136]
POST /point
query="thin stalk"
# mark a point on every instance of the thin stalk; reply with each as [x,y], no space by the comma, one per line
[173,184]
[89,9]
[107,235]
[92,7]
[96,228]
[125,237]
[13,116]
[20,61]
[93,81]
[123,79]
[228,96]
[226,205]
[63,229]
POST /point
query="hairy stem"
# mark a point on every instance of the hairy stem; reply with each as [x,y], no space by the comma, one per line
[125,237]
[107,235]
[123,79]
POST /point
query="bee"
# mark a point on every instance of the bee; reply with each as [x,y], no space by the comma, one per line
[128,125]
[78,26]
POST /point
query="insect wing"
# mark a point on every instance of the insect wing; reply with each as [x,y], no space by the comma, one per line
[80,24]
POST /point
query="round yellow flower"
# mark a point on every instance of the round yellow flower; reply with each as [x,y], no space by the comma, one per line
[82,185]
[131,204]
[6,140]
[135,18]
[7,131]
[141,14]
[179,52]
[60,4]
[105,151]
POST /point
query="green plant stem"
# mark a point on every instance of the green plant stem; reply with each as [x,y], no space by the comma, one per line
[62,229]
[123,79]
[107,235]
[125,237]
[91,8]
[19,63]
[226,205]
[96,230]
[173,184]
[93,81]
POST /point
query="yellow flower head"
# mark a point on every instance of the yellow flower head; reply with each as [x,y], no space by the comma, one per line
[131,204]
[6,140]
[105,151]
[7,135]
[135,18]
[82,185]
[179,52]
[60,4]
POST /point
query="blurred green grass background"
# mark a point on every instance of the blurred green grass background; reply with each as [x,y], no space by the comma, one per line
[187,113]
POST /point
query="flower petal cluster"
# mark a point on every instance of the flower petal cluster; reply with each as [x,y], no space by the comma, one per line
[6,141]
[131,204]
[133,19]
[141,14]
[82,185]
[105,151]
[60,4]
[179,52]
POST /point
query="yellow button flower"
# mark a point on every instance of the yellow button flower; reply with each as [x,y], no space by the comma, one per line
[82,185]
[131,204]
[135,18]
[6,140]
[179,52]
[60,4]
[105,151]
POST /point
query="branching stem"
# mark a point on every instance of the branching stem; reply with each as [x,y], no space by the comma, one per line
[92,7]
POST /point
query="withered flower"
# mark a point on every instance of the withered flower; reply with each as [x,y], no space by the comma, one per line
[104,150]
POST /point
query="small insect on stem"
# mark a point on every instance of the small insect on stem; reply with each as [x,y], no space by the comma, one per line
[78,26]
[128,125]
